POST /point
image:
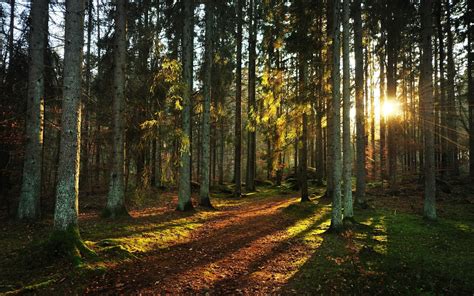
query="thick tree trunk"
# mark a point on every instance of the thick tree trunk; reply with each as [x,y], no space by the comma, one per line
[382,117]
[346,93]
[426,104]
[252,106]
[116,197]
[335,118]
[66,233]
[29,206]
[206,113]
[184,194]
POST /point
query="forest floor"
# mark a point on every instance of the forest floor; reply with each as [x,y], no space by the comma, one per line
[264,243]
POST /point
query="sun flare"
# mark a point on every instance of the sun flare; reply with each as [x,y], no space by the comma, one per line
[391,108]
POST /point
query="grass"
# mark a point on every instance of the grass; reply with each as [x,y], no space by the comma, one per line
[389,253]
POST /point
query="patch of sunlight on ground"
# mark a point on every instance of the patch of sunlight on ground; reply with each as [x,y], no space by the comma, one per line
[144,238]
[464,227]
[309,229]
[378,234]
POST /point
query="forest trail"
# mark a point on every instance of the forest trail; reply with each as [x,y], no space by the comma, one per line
[246,249]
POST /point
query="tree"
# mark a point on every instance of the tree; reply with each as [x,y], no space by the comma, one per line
[360,112]
[116,197]
[206,114]
[452,116]
[346,93]
[238,103]
[334,114]
[252,103]
[470,74]
[29,206]
[426,104]
[184,194]
[66,237]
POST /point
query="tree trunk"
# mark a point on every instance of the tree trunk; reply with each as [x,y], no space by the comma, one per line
[426,104]
[66,235]
[206,113]
[452,116]
[29,206]
[184,194]
[238,104]
[252,106]
[360,110]
[346,92]
[470,69]
[303,164]
[334,116]
[116,197]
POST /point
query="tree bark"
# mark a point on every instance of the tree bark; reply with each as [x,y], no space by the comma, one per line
[184,194]
[67,191]
[470,74]
[426,92]
[361,173]
[334,117]
[206,113]
[116,197]
[452,116]
[29,206]
[252,106]
[238,104]
[346,92]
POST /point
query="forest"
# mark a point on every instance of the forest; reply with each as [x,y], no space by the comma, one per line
[238,147]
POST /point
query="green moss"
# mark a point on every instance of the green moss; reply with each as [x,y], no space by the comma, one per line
[68,244]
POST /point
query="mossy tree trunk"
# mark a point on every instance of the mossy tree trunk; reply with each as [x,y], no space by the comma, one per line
[29,206]
[116,197]
[66,238]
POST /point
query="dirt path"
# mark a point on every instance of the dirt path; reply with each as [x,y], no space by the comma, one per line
[246,250]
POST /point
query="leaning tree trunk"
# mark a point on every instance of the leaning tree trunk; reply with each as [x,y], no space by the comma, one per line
[66,235]
[238,104]
[426,105]
[206,113]
[29,206]
[334,116]
[184,194]
[347,149]
[116,197]
[360,117]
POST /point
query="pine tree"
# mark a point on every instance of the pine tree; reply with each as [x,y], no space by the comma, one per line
[29,206]
[116,197]
[206,114]
[184,194]
[426,105]
[347,149]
